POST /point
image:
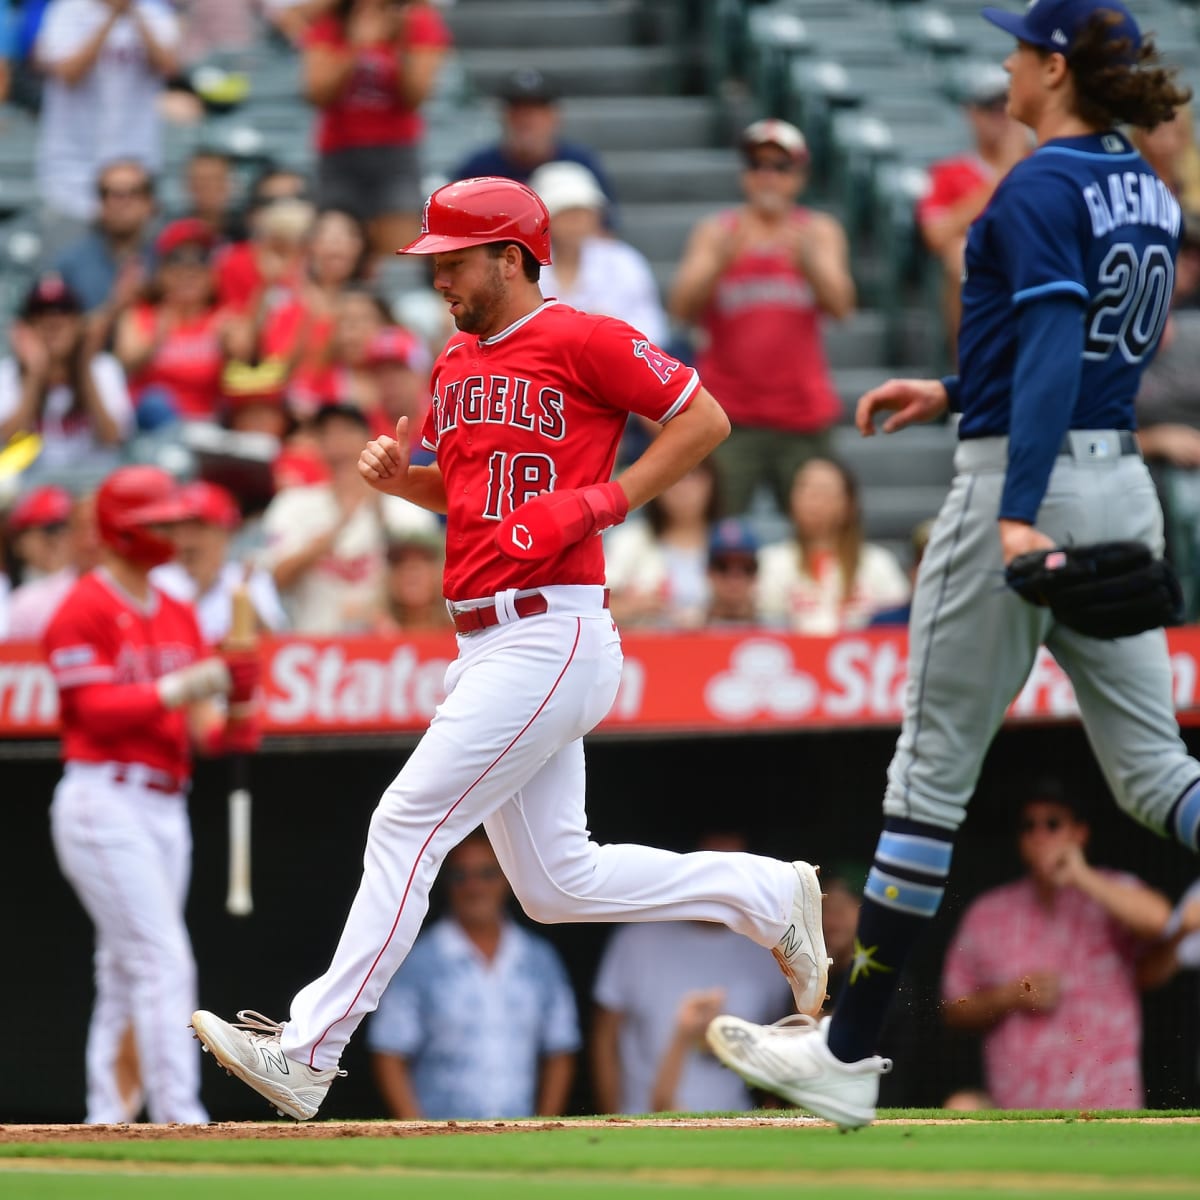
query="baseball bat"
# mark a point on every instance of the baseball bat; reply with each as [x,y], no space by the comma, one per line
[239,901]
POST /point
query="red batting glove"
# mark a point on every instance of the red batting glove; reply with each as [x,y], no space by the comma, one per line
[549,523]
[242,735]
[245,670]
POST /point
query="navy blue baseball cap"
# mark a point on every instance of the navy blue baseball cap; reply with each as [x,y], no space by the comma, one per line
[732,537]
[1054,24]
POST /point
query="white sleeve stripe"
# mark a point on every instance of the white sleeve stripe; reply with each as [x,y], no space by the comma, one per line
[682,399]
[428,445]
[81,675]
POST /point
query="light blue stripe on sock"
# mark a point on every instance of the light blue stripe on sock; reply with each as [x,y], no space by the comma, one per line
[927,855]
[1187,818]
[892,892]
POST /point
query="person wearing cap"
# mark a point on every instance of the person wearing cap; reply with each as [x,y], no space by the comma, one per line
[758,281]
[138,691]
[1068,279]
[1047,968]
[326,542]
[34,603]
[37,531]
[174,349]
[960,186]
[591,270]
[55,386]
[204,575]
[105,62]
[732,574]
[413,600]
[531,121]
[368,67]
[399,364]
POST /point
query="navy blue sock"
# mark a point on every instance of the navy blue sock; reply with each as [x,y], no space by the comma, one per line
[904,889]
[1184,820]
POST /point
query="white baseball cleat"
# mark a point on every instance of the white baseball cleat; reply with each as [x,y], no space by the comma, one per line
[250,1050]
[800,953]
[792,1059]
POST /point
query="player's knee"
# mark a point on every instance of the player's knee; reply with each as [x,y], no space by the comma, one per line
[544,903]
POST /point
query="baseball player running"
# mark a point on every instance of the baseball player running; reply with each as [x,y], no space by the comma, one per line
[1069,275]
[530,400]
[136,686]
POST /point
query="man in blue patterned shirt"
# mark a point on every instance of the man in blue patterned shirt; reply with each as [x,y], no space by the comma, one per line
[480,1020]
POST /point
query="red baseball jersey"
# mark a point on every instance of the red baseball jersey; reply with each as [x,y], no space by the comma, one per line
[765,357]
[952,180]
[101,637]
[539,407]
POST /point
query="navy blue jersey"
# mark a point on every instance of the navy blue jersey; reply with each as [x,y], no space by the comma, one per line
[1081,217]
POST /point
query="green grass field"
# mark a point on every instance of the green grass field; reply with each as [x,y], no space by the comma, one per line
[978,1159]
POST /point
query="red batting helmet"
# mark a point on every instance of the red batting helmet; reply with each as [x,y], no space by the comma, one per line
[131,500]
[474,212]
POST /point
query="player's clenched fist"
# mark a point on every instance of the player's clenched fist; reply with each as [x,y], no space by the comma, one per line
[383,462]
[549,523]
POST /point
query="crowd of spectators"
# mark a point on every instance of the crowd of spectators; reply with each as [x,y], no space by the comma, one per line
[255,315]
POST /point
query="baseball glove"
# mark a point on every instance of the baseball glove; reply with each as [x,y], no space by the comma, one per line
[1105,589]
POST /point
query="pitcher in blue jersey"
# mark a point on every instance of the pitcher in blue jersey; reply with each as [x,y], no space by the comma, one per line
[1069,275]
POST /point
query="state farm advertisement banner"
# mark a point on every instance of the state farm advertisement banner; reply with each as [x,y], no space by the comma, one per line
[705,682]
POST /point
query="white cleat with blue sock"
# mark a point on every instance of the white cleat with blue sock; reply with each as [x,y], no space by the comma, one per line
[792,1059]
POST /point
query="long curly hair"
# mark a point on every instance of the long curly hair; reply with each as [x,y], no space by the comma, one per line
[1114,84]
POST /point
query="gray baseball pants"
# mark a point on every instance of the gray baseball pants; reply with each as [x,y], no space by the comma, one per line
[972,641]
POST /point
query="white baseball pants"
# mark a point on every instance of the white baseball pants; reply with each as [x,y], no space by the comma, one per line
[505,749]
[127,852]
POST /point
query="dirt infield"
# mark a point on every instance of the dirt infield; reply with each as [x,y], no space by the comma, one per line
[321,1130]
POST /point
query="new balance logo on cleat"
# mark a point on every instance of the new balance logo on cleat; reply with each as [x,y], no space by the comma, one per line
[800,952]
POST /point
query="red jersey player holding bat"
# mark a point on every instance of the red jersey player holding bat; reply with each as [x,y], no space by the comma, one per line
[530,400]
[136,688]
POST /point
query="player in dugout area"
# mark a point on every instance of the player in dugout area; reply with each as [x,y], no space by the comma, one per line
[137,689]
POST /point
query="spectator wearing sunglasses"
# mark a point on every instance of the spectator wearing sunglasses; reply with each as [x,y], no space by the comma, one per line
[480,1020]
[732,574]
[108,266]
[1049,969]
[757,281]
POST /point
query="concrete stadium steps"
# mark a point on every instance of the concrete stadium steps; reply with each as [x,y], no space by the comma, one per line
[660,230]
[582,70]
[664,175]
[631,122]
[533,25]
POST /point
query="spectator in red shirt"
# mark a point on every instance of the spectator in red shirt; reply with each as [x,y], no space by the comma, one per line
[368,67]
[175,346]
[248,268]
[961,186]
[759,280]
[296,332]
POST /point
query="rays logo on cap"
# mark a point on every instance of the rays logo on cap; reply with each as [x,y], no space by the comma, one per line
[1059,38]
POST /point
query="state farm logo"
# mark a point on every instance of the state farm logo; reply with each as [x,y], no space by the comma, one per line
[313,685]
[762,680]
